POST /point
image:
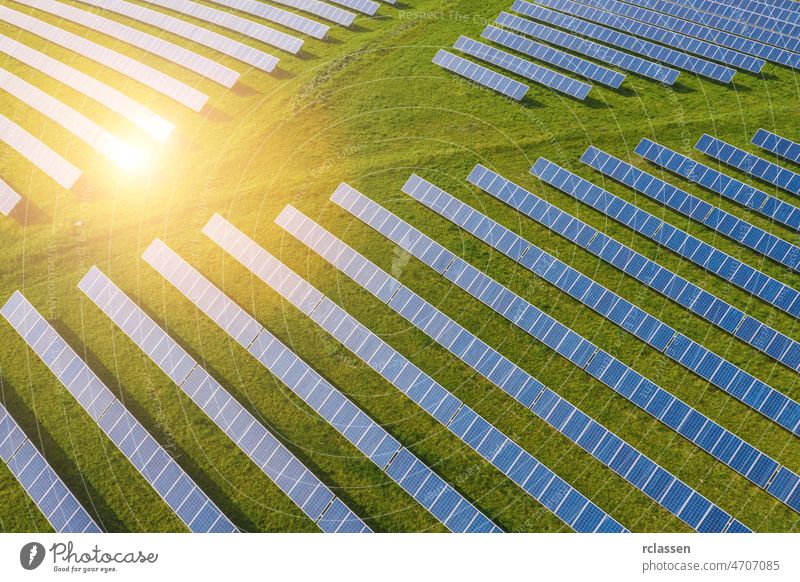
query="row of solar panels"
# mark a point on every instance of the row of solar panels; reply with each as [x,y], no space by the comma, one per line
[65,173]
[680,37]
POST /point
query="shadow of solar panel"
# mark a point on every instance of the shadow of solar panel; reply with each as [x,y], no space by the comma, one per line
[321,9]
[554,57]
[481,75]
[749,164]
[312,496]
[691,248]
[559,413]
[8,198]
[160,470]
[722,184]
[636,45]
[780,146]
[441,404]
[189,31]
[674,413]
[41,483]
[335,408]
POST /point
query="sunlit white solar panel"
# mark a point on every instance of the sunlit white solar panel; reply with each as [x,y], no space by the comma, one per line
[321,9]
[84,128]
[158,46]
[278,16]
[223,44]
[132,110]
[481,75]
[8,198]
[365,6]
[156,80]
[44,158]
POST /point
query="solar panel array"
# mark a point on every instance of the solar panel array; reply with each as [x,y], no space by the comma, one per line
[721,373]
[131,110]
[745,11]
[367,7]
[8,198]
[555,57]
[427,488]
[648,272]
[147,42]
[41,156]
[158,468]
[780,146]
[588,48]
[326,11]
[41,483]
[481,75]
[702,254]
[741,231]
[312,496]
[570,421]
[527,69]
[749,164]
[525,470]
[720,443]
[156,80]
[655,27]
[717,182]
[208,38]
[283,17]
[678,59]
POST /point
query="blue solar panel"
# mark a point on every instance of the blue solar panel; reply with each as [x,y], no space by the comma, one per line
[749,164]
[685,245]
[527,69]
[744,11]
[311,495]
[743,458]
[57,503]
[666,30]
[713,217]
[481,75]
[451,412]
[722,184]
[367,7]
[558,412]
[183,496]
[780,146]
[676,58]
[555,57]
[588,48]
[647,328]
[335,408]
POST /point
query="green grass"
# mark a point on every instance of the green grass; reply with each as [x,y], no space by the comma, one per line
[368,108]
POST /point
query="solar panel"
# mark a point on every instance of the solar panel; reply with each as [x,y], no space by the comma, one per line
[156,80]
[527,69]
[543,402]
[588,48]
[147,42]
[702,254]
[749,164]
[41,483]
[41,156]
[789,5]
[8,198]
[312,496]
[636,45]
[780,146]
[744,11]
[131,110]
[82,127]
[201,36]
[722,184]
[741,231]
[321,9]
[159,469]
[688,422]
[714,44]
[367,7]
[554,57]
[238,24]
[648,272]
[735,382]
[334,407]
[563,500]
[282,17]
[481,75]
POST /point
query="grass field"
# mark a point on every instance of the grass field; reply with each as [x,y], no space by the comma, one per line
[368,108]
